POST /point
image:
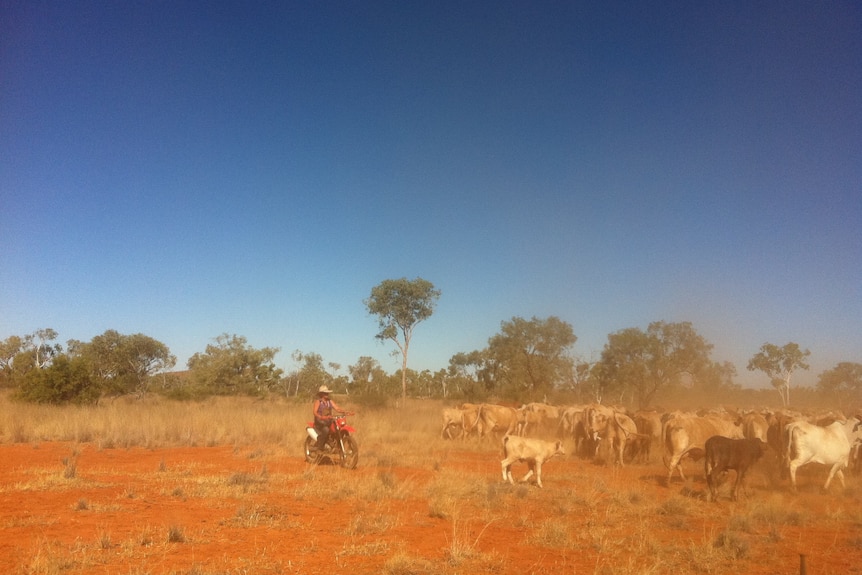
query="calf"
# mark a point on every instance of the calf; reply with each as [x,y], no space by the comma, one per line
[533,451]
[723,453]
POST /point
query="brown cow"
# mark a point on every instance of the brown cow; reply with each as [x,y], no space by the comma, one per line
[723,453]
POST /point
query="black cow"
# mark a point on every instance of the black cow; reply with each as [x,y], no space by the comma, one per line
[723,453]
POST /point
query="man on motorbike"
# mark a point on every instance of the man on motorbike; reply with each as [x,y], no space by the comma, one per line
[323,409]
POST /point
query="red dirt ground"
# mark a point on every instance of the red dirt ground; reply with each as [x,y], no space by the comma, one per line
[238,510]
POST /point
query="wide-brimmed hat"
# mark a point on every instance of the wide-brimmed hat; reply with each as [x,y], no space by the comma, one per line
[323,389]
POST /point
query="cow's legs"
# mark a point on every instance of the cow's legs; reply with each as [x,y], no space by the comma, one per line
[836,470]
[710,483]
[740,475]
[539,473]
[507,470]
[531,465]
[714,479]
[840,474]
[675,465]
[792,469]
[621,448]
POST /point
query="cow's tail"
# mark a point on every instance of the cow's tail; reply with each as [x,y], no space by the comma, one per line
[505,441]
[666,439]
[663,435]
[708,462]
[625,431]
[475,426]
[788,446]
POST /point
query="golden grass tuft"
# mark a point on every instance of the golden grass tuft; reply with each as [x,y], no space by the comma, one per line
[405,564]
[176,534]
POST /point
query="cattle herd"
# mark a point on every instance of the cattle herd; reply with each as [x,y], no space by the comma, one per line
[725,439]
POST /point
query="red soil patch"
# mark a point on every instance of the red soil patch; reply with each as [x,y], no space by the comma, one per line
[79,509]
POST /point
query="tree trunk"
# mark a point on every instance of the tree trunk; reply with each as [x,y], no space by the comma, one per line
[404,374]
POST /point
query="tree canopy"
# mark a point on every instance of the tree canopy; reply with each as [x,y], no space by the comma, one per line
[124,363]
[779,363]
[644,363]
[844,381]
[231,366]
[110,364]
[529,359]
[400,305]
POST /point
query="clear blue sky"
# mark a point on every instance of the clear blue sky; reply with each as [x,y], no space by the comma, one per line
[187,169]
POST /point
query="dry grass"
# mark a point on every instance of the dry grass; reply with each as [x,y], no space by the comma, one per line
[154,422]
[591,520]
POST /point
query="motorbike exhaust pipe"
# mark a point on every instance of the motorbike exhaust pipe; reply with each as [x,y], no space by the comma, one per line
[312,433]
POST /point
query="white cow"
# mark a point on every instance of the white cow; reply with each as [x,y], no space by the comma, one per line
[533,451]
[453,420]
[829,445]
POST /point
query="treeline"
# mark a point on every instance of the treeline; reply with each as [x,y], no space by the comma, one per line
[528,360]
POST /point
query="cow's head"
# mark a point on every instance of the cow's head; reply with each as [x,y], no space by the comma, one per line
[558,449]
[597,418]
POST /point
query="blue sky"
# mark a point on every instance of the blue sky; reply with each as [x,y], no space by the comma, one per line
[185,170]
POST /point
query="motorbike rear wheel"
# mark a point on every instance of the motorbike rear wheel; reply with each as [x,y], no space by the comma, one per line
[309,456]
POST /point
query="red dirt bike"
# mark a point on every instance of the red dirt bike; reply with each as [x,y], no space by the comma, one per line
[340,449]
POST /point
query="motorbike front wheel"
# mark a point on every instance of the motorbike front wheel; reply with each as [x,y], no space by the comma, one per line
[350,457]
